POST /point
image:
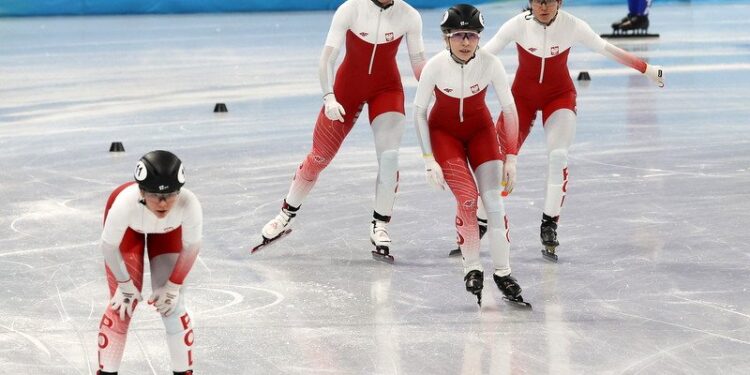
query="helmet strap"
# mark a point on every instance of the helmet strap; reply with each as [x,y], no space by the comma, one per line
[383,6]
[456,59]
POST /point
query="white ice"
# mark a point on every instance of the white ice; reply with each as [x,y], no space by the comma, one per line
[653,271]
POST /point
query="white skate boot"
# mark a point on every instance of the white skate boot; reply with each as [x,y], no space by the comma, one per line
[381,240]
[278,227]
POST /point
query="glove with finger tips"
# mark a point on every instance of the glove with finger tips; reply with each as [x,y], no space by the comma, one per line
[433,172]
[332,109]
[165,298]
[125,298]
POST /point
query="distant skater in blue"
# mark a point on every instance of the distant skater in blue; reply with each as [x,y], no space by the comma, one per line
[637,18]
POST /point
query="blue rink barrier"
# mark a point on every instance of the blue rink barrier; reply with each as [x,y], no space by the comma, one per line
[85,7]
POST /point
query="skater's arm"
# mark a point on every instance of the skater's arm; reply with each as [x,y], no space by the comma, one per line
[184,263]
[415,45]
[325,68]
[507,126]
[422,99]
[590,39]
[192,237]
[336,35]
[113,260]
[503,36]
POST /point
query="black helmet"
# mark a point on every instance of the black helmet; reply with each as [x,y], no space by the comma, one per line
[160,172]
[462,17]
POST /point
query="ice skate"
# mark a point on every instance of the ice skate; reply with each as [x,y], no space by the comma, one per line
[381,240]
[278,227]
[482,230]
[631,26]
[548,235]
[511,290]
[474,283]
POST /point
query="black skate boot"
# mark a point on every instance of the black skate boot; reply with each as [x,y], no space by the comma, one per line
[100,372]
[637,24]
[548,236]
[616,25]
[631,26]
[510,289]
[188,372]
[474,283]
[482,230]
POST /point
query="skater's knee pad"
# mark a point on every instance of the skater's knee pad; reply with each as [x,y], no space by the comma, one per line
[388,168]
[558,161]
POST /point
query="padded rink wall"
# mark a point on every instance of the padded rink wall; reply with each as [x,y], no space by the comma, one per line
[88,7]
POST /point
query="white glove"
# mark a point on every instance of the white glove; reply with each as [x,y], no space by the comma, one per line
[433,172]
[165,298]
[125,298]
[333,110]
[655,73]
[509,174]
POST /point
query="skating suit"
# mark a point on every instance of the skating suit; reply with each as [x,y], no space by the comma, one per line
[131,226]
[460,122]
[461,128]
[368,72]
[543,81]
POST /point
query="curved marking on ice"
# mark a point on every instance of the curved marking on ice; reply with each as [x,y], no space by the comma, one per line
[31,339]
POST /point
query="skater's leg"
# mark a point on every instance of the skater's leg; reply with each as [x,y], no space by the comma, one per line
[559,129]
[461,183]
[488,174]
[113,331]
[327,139]
[387,129]
[178,324]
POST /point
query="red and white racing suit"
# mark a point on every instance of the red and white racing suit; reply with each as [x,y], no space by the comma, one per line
[461,135]
[171,243]
[543,83]
[368,75]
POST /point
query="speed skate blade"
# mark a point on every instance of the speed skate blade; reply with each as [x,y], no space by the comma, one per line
[387,258]
[455,252]
[518,302]
[267,242]
[623,35]
[382,253]
[549,255]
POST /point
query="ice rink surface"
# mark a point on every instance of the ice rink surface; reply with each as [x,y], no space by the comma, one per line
[653,275]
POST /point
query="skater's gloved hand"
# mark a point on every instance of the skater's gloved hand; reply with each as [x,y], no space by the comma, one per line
[333,110]
[125,298]
[433,172]
[655,73]
[509,174]
[165,298]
